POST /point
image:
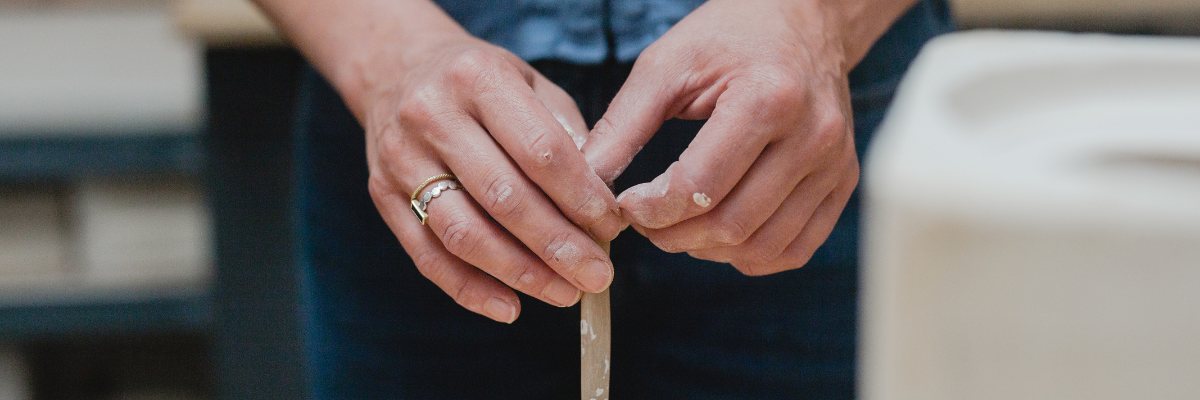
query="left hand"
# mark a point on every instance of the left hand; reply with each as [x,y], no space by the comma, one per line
[765,180]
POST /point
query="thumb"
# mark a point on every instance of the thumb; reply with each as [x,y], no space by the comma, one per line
[636,113]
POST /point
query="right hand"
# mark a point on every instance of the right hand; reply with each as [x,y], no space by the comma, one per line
[532,205]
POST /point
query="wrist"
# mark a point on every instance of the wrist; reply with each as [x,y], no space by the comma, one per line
[862,22]
[358,44]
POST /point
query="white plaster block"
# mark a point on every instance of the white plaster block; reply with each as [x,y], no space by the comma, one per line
[1033,222]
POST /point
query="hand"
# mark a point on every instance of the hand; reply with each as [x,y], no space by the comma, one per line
[765,180]
[435,100]
[477,111]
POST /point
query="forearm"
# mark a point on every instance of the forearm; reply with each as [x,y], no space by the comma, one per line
[354,43]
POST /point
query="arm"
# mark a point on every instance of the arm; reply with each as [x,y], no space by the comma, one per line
[435,100]
[765,180]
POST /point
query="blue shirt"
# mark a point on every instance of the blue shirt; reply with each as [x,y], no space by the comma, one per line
[570,30]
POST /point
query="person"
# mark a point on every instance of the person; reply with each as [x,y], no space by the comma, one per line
[731,130]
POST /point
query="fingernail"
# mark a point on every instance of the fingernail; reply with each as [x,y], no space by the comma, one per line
[595,276]
[500,310]
[609,227]
[562,293]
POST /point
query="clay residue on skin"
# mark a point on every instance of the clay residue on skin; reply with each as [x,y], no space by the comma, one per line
[579,138]
[620,167]
[655,188]
[650,205]
[504,193]
[567,253]
[594,208]
[527,279]
[701,199]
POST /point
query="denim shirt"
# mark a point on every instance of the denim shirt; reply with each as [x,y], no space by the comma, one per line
[570,30]
[575,31]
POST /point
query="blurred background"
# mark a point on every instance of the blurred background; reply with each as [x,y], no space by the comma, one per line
[145,246]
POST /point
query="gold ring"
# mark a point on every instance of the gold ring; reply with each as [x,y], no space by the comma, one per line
[419,206]
[431,180]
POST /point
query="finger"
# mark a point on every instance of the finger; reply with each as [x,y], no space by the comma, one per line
[800,250]
[541,147]
[723,150]
[771,193]
[467,232]
[762,245]
[467,285]
[516,203]
[635,114]
[562,107]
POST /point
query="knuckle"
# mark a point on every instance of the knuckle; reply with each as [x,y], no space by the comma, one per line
[503,196]
[461,235]
[749,269]
[469,296]
[427,264]
[590,211]
[391,148]
[852,175]
[649,60]
[714,255]
[780,264]
[832,129]
[676,245]
[424,107]
[561,250]
[539,149]
[781,86]
[523,278]
[379,188]
[763,251]
[434,268]
[731,231]
[468,66]
[416,106]
[785,96]
[604,127]
[662,57]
